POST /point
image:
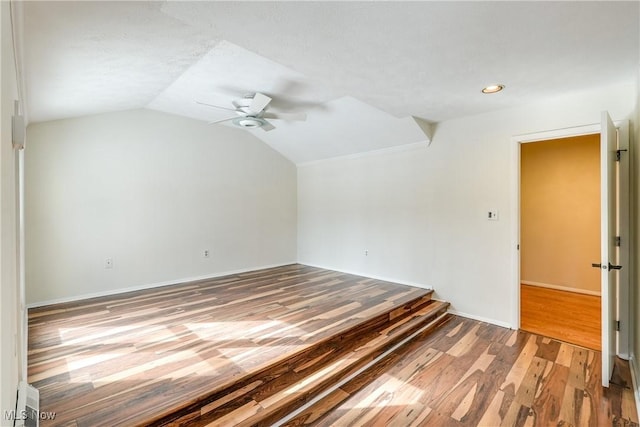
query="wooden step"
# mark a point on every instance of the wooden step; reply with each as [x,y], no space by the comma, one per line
[337,395]
[289,392]
[242,393]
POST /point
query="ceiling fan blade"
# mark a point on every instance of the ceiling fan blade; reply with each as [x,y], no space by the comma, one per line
[220,121]
[215,106]
[267,127]
[259,103]
[294,117]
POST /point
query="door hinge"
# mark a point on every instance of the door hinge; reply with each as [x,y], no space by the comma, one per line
[618,238]
[618,153]
[618,325]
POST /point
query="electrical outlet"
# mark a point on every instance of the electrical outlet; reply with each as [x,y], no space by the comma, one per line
[366,252]
[205,253]
[493,215]
[108,263]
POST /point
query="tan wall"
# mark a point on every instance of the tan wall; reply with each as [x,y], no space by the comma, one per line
[560,212]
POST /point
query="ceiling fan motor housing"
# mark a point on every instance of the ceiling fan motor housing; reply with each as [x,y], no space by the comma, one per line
[252,113]
[249,122]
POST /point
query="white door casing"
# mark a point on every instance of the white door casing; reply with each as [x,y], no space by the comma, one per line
[623,288]
[623,297]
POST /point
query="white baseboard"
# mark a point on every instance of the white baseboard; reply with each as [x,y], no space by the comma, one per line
[482,319]
[357,273]
[244,270]
[635,376]
[560,288]
[151,285]
[418,285]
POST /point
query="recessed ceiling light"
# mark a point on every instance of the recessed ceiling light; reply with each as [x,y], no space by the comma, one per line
[493,89]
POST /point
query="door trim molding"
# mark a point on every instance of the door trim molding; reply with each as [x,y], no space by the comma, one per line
[516,141]
[624,302]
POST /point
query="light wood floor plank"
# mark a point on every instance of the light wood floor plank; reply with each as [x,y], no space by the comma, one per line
[567,316]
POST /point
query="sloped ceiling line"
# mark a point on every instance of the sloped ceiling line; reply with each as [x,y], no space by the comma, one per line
[360,70]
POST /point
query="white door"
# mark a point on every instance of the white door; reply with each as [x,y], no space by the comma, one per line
[608,147]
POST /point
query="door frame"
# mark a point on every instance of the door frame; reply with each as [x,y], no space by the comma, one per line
[622,126]
[624,254]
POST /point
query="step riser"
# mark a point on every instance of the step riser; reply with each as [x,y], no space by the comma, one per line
[322,353]
[339,395]
[341,375]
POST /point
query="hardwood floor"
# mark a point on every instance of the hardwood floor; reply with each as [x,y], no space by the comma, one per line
[469,373]
[272,402]
[247,349]
[137,358]
[567,316]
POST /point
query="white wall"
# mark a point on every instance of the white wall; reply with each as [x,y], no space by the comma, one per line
[151,191]
[421,213]
[9,288]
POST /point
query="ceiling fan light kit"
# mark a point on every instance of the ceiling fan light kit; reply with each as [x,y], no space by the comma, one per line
[249,122]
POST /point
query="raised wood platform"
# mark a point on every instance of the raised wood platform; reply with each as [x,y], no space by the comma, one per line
[244,349]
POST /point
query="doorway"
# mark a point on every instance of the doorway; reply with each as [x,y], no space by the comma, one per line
[560,239]
[615,152]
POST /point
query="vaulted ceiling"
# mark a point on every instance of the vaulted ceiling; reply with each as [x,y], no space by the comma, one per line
[360,70]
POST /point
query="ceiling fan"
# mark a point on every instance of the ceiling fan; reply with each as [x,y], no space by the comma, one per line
[251,111]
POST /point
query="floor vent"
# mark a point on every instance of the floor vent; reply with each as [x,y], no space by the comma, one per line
[28,406]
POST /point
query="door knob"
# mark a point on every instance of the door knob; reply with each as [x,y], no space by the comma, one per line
[599,266]
[614,267]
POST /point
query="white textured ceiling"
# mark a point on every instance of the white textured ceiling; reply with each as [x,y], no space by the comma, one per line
[358,69]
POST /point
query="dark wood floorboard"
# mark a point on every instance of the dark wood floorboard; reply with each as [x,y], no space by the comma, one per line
[130,358]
